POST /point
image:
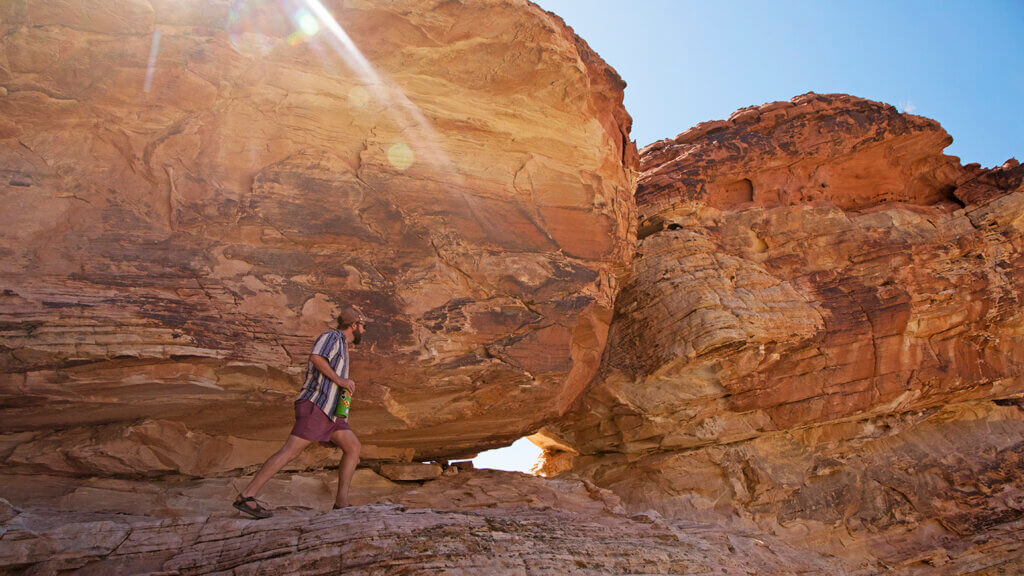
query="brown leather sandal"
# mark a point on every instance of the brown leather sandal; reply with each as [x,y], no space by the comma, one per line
[259,512]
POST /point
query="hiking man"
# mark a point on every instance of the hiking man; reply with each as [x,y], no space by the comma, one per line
[315,419]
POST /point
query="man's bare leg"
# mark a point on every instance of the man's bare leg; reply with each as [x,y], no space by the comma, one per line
[346,439]
[293,446]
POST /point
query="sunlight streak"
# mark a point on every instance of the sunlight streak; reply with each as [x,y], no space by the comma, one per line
[154,49]
[254,26]
[425,141]
[400,154]
[349,52]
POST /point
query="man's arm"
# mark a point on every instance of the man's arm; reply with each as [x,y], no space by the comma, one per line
[325,367]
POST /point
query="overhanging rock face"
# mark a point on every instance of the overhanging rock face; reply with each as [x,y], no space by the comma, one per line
[822,331]
[818,344]
[191,189]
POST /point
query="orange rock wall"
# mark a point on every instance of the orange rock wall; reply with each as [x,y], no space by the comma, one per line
[192,189]
[835,344]
[814,363]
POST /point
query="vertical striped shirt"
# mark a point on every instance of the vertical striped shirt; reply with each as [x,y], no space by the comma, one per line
[318,388]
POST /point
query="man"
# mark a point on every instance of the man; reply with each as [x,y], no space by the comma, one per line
[315,419]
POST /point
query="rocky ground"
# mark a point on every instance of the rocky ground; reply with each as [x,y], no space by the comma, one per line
[474,522]
[787,342]
[470,522]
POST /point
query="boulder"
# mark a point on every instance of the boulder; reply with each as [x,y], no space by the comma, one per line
[192,190]
[835,353]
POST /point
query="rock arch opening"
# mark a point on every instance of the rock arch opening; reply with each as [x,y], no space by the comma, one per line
[520,456]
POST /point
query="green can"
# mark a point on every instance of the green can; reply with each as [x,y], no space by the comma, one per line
[344,401]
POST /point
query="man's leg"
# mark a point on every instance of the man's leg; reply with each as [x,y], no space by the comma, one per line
[293,446]
[346,439]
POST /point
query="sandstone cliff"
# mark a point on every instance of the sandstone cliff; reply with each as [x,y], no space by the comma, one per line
[822,332]
[192,189]
[814,363]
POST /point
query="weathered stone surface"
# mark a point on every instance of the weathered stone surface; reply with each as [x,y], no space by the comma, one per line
[478,522]
[386,539]
[836,353]
[6,510]
[815,364]
[411,471]
[191,189]
[852,153]
[178,496]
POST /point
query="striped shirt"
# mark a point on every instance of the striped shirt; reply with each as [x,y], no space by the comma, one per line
[318,388]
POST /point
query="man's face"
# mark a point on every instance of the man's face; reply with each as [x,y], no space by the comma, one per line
[357,332]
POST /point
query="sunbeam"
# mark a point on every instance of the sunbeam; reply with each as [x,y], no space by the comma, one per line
[252,25]
[154,49]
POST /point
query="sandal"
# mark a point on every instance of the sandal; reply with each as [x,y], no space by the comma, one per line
[259,512]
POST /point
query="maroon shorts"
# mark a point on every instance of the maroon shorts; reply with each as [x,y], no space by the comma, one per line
[312,424]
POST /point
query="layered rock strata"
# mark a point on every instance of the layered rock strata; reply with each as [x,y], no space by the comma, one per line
[192,189]
[479,522]
[469,522]
[822,332]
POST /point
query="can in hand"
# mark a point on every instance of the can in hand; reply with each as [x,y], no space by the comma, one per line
[344,401]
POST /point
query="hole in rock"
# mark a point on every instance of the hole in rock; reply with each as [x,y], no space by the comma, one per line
[649,227]
[949,193]
[519,457]
[732,194]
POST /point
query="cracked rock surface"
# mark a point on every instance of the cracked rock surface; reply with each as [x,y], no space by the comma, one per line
[813,316]
[191,189]
[821,331]
[475,522]
[469,522]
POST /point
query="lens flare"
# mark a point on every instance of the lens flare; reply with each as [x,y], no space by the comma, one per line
[154,49]
[400,156]
[253,26]
[258,26]
[358,97]
[307,22]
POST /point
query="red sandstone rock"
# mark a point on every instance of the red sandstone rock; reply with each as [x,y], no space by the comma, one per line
[411,471]
[828,349]
[174,242]
[477,522]
[842,150]
[817,354]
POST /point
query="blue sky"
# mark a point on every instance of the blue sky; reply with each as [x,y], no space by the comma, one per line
[961,63]
[686,62]
[519,457]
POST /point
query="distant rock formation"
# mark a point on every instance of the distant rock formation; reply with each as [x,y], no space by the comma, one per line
[852,153]
[822,331]
[192,189]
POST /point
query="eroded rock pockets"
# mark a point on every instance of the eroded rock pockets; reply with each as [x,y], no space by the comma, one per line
[192,189]
[822,327]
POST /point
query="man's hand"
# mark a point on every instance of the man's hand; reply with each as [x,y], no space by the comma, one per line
[347,384]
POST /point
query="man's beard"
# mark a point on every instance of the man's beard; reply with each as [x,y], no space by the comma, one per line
[357,336]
